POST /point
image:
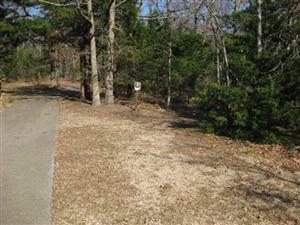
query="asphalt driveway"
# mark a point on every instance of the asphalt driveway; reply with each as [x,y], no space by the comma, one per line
[28,134]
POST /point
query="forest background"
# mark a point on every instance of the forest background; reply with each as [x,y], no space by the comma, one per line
[235,61]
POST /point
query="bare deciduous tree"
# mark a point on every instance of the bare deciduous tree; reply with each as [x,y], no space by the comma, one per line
[259,28]
[109,78]
[219,39]
[169,55]
[93,51]
[109,92]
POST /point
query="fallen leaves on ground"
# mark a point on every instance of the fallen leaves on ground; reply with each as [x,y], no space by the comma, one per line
[119,166]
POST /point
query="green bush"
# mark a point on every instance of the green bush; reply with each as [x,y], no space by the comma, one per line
[246,114]
[225,110]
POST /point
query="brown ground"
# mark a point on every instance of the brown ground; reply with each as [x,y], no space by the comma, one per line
[118,166]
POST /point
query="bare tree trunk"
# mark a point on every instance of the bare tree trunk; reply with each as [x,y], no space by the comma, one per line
[52,74]
[237,5]
[169,74]
[259,28]
[169,55]
[109,80]
[0,85]
[226,61]
[87,81]
[94,66]
[55,75]
[218,33]
[219,38]
[218,65]
[212,10]
[81,91]
[83,77]
[196,15]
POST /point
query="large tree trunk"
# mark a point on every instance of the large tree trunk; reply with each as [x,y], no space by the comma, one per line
[259,29]
[109,80]
[94,66]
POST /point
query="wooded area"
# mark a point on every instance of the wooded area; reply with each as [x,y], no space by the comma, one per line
[235,61]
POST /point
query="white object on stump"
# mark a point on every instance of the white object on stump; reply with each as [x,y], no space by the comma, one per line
[137,86]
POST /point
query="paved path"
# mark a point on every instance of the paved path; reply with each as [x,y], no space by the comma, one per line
[29,130]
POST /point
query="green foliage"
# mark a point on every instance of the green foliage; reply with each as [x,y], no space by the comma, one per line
[191,62]
[226,110]
[27,64]
[248,114]
[262,102]
[144,57]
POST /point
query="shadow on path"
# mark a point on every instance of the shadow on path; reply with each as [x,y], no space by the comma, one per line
[69,93]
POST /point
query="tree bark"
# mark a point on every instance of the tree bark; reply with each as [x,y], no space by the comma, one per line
[237,5]
[219,37]
[169,55]
[169,74]
[94,66]
[196,15]
[55,74]
[87,81]
[218,65]
[84,76]
[213,10]
[226,61]
[109,80]
[0,85]
[259,28]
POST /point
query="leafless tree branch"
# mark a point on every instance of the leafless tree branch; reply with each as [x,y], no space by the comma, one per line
[58,4]
[120,3]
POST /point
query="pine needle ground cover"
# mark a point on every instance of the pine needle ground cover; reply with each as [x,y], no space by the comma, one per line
[118,166]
